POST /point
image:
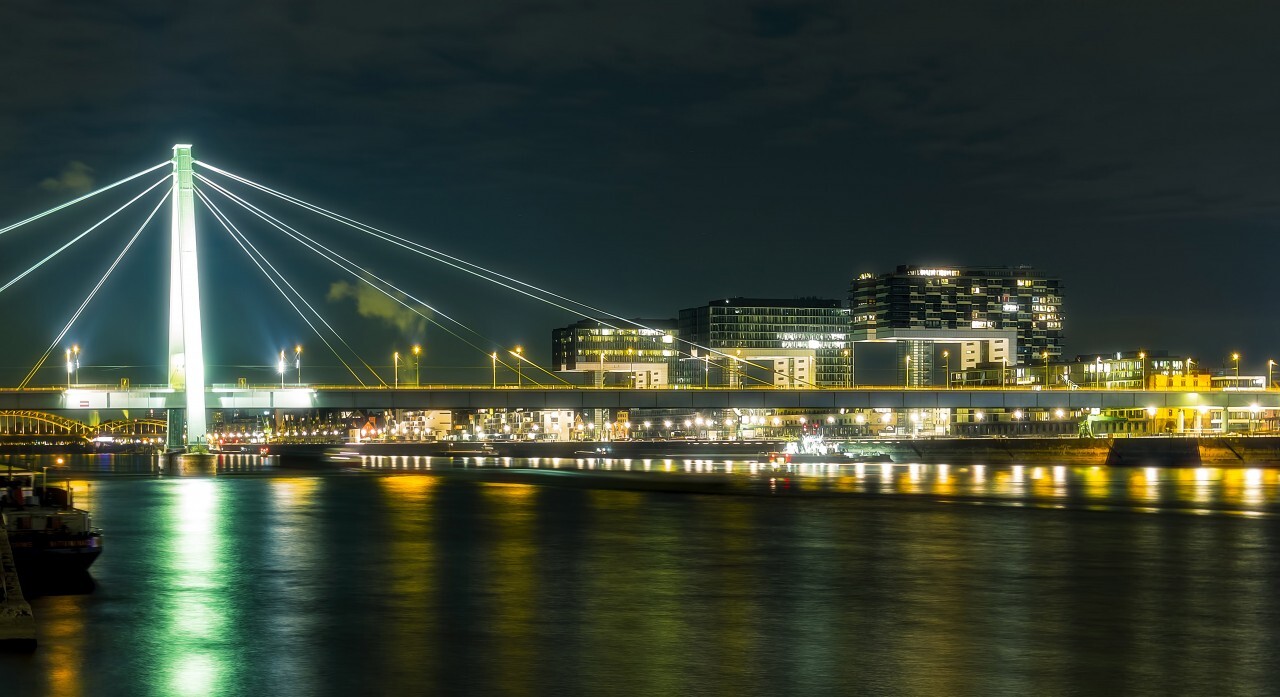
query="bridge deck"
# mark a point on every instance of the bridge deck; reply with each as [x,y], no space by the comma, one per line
[464,397]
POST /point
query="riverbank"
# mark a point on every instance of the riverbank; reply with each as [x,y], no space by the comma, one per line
[1146,451]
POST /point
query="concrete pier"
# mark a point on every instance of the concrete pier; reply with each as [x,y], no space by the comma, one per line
[191,464]
[17,624]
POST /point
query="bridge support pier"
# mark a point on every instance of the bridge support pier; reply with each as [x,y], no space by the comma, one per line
[175,427]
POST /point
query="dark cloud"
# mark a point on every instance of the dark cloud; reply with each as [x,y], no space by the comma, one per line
[724,147]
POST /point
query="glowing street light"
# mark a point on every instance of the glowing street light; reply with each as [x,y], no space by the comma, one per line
[417,362]
[1236,357]
[906,378]
[1270,364]
[1142,358]
[519,367]
[395,369]
[69,369]
[946,366]
[494,357]
[297,362]
[75,357]
[280,365]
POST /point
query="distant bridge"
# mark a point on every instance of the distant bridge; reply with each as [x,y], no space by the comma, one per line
[28,424]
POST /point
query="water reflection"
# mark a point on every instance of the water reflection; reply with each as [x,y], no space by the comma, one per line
[193,608]
[1201,490]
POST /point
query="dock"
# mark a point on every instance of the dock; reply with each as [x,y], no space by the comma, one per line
[17,624]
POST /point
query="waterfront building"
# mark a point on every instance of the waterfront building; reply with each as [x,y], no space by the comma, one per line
[627,356]
[790,343]
[1127,370]
[1002,315]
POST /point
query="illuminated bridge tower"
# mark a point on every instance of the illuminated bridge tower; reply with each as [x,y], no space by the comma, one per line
[186,345]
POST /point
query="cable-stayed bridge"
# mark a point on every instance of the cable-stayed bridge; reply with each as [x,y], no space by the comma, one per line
[190,391]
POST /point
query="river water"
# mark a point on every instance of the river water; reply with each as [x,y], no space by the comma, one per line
[426,576]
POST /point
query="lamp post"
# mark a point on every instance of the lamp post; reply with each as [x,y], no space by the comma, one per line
[75,357]
[1046,369]
[1142,358]
[69,369]
[946,366]
[706,370]
[848,369]
[906,377]
[297,362]
[417,365]
[1270,364]
[519,367]
[1097,373]
[280,368]
[395,369]
[1236,357]
[494,357]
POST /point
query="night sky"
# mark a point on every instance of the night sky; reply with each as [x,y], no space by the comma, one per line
[646,157]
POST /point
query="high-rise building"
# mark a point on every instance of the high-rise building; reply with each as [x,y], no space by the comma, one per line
[1000,315]
[784,343]
[642,357]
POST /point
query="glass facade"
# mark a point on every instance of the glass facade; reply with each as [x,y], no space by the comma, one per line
[805,338]
[958,298]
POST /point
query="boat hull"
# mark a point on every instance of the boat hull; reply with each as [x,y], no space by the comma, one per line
[39,554]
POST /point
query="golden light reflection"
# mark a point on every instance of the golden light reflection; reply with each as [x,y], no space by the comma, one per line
[63,645]
[412,573]
[513,578]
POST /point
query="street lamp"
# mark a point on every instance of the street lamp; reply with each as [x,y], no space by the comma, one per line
[1236,357]
[848,369]
[395,369]
[75,357]
[1142,358]
[1046,370]
[69,369]
[946,366]
[297,362]
[417,363]
[1270,364]
[1097,373]
[906,379]
[494,357]
[280,368]
[519,367]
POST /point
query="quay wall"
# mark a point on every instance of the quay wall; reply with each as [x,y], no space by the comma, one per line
[17,623]
[1136,452]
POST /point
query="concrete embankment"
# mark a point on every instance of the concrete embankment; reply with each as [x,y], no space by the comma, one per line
[17,624]
[1129,452]
[1154,451]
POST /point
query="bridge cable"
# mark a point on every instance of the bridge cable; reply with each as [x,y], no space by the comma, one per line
[352,268]
[436,255]
[238,236]
[332,256]
[91,194]
[77,238]
[93,292]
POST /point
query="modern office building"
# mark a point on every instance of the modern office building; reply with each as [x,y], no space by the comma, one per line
[642,355]
[999,315]
[749,342]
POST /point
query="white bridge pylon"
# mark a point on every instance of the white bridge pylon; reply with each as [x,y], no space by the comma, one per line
[186,342]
